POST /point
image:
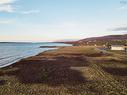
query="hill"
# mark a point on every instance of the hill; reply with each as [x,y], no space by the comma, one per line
[111,39]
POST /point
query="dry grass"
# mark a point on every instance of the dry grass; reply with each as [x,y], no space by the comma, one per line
[66,71]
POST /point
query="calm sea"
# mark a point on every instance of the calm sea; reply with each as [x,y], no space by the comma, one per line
[13,52]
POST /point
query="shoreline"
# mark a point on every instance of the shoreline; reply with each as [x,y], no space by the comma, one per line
[17,61]
[41,53]
[26,53]
[75,69]
[49,53]
[37,55]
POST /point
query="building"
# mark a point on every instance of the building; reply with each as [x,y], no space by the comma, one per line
[118,47]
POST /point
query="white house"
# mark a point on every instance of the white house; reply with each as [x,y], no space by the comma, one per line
[118,47]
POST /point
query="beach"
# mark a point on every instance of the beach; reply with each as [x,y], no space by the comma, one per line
[69,70]
[63,47]
[11,52]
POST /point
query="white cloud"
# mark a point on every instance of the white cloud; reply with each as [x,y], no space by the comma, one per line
[6,5]
[30,12]
[122,8]
[6,8]
[2,2]
[6,21]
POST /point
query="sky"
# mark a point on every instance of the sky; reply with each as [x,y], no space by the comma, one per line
[56,20]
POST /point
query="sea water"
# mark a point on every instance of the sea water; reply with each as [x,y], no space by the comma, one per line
[11,52]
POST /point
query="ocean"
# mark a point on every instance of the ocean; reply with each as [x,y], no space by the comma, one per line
[11,52]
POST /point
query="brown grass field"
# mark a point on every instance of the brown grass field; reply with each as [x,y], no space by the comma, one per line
[74,70]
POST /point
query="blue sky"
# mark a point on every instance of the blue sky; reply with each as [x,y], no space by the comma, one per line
[51,20]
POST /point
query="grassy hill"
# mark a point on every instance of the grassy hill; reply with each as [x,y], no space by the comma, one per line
[111,39]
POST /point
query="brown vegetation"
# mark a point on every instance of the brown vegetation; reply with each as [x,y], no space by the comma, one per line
[67,71]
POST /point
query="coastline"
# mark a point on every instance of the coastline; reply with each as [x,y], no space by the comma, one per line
[70,70]
[17,61]
[18,51]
